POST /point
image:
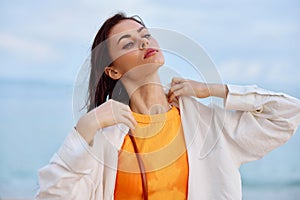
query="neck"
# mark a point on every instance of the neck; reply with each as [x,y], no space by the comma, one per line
[149,97]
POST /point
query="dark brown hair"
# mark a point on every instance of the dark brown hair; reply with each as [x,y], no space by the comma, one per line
[101,86]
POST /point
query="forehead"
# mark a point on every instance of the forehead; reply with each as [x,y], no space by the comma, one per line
[124,26]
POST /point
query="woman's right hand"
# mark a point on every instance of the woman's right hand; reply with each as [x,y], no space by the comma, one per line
[107,114]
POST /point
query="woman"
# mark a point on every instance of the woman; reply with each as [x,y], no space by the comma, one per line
[161,146]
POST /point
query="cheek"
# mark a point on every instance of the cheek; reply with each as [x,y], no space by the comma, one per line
[127,61]
[154,43]
[159,57]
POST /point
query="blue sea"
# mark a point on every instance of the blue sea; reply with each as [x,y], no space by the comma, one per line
[36,116]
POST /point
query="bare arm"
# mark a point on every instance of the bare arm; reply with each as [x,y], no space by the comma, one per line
[180,86]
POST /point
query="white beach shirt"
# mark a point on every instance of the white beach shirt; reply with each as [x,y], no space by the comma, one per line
[218,141]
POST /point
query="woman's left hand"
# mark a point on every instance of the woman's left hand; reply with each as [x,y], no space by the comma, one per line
[185,87]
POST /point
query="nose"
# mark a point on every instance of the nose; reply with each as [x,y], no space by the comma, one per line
[144,43]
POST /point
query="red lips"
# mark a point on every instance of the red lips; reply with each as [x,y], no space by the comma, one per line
[150,52]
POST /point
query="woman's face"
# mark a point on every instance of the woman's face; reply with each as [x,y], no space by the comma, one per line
[131,46]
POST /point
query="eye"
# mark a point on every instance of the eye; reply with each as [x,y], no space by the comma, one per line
[147,36]
[128,45]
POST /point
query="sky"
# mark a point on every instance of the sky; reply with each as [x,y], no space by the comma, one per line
[250,42]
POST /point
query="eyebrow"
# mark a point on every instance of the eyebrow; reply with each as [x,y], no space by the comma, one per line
[128,36]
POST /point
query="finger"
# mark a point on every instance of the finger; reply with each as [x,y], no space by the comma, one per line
[175,88]
[125,111]
[175,94]
[171,98]
[117,111]
[129,116]
[120,108]
[132,119]
[176,80]
[128,113]
[125,120]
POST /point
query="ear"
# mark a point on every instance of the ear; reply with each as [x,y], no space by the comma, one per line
[112,72]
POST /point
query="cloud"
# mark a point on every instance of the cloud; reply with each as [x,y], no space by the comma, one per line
[248,71]
[26,48]
[276,29]
[239,36]
[240,70]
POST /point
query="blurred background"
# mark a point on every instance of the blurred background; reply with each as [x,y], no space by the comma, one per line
[43,45]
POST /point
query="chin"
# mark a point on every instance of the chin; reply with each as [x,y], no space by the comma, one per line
[157,62]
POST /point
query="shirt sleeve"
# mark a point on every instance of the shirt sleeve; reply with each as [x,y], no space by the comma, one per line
[71,172]
[257,121]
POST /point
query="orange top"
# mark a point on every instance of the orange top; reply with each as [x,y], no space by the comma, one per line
[160,141]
